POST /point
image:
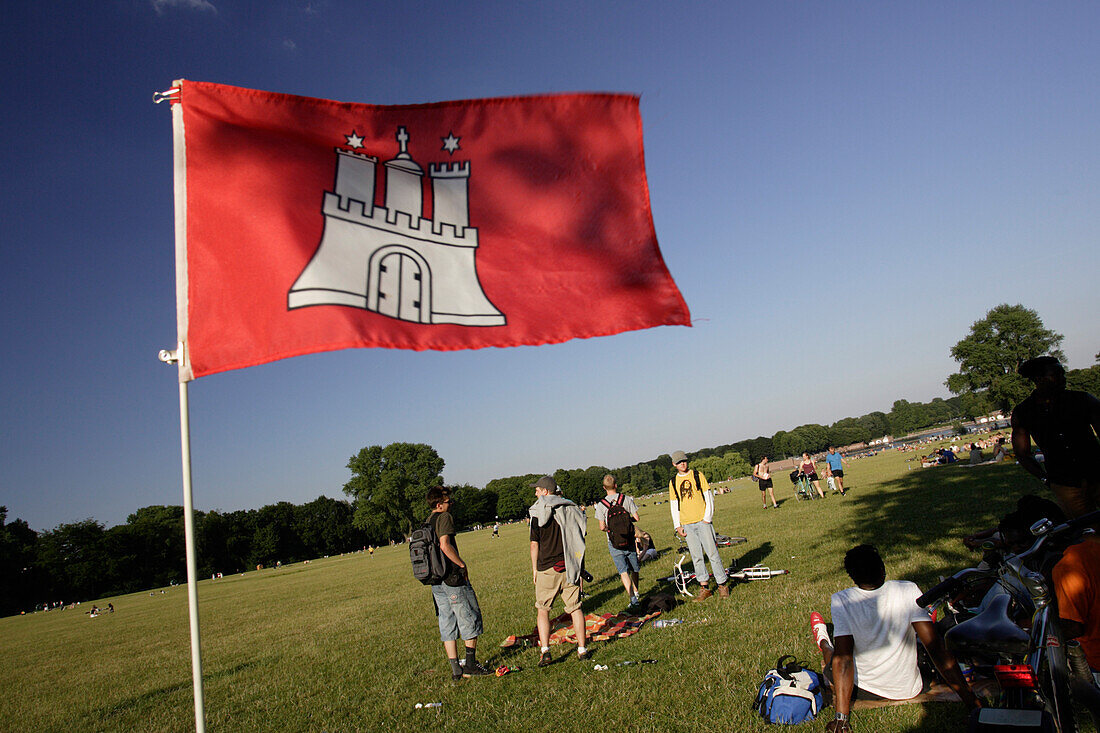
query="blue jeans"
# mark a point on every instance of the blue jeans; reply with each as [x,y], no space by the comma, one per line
[700,540]
[457,612]
[626,561]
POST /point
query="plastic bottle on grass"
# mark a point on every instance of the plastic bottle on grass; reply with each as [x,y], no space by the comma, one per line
[663,622]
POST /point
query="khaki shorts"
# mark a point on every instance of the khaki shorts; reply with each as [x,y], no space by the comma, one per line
[549,584]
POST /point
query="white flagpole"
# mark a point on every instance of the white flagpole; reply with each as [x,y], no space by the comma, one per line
[180,356]
[192,572]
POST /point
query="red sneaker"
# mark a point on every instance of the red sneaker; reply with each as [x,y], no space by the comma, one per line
[817,629]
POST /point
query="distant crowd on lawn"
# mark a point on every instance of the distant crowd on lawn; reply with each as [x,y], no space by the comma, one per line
[872,651]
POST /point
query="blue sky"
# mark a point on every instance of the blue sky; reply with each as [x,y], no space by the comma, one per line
[839,190]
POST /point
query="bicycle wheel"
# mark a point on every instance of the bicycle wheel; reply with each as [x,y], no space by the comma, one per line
[1054,683]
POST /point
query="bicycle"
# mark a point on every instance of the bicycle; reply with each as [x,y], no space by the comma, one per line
[1015,630]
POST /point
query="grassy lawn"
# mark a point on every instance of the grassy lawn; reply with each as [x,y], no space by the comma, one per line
[350,643]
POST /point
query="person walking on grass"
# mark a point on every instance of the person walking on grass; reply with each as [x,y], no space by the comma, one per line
[809,471]
[835,462]
[558,529]
[873,652]
[456,607]
[764,477]
[617,514]
[692,504]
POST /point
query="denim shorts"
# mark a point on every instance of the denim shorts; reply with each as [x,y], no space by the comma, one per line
[626,561]
[457,612]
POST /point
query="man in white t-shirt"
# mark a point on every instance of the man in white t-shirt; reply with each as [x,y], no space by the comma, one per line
[876,625]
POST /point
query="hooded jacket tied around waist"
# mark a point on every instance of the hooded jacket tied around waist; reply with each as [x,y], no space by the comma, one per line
[574,527]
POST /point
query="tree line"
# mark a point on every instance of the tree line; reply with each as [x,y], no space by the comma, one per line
[86,560]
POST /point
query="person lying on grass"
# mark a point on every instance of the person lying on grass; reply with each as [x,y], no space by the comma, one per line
[873,654]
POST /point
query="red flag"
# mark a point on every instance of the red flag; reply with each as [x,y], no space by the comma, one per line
[313,225]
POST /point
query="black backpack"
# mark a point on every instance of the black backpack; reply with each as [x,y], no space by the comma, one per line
[620,525]
[429,564]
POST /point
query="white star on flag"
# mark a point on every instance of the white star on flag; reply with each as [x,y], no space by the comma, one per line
[354,140]
[450,143]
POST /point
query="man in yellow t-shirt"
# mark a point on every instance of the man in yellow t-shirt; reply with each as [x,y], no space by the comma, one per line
[692,505]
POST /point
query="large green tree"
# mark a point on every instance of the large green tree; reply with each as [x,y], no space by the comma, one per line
[388,486]
[990,357]
[1086,380]
[514,494]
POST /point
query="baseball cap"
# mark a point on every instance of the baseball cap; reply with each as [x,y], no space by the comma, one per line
[548,483]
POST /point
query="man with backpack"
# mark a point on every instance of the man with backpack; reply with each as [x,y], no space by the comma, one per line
[692,505]
[617,514]
[456,606]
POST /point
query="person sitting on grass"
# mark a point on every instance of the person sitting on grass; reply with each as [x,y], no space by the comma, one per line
[873,653]
[643,543]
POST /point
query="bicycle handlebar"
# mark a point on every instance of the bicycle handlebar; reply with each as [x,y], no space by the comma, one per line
[955,582]
[1067,526]
[950,586]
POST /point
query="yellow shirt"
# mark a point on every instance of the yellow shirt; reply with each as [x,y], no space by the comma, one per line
[692,501]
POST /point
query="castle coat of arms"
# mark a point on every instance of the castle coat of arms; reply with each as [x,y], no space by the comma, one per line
[390,259]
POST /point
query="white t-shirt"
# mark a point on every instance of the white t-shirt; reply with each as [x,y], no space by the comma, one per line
[880,622]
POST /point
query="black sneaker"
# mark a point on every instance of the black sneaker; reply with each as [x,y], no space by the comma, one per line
[545,659]
[586,654]
[475,670]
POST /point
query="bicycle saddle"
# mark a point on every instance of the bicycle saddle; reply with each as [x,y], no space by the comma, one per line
[991,631]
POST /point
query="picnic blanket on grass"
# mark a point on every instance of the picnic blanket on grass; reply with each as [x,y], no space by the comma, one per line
[597,628]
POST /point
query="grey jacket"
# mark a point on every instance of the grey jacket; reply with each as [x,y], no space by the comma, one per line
[574,528]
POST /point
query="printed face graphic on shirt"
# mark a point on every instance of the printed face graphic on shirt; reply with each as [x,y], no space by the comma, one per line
[687,490]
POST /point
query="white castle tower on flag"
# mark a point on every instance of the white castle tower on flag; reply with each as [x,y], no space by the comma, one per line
[390,259]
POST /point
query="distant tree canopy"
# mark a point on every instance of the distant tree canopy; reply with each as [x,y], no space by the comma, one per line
[990,356]
[1086,380]
[388,486]
[514,494]
[472,505]
[84,560]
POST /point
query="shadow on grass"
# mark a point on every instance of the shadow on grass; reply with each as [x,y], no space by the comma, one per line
[754,556]
[153,697]
[912,514]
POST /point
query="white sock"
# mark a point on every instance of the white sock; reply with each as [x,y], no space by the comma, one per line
[545,649]
[581,650]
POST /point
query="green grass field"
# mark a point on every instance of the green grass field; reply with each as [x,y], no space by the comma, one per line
[350,643]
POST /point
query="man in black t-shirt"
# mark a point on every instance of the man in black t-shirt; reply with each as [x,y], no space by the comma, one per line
[557,525]
[1064,424]
[456,606]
